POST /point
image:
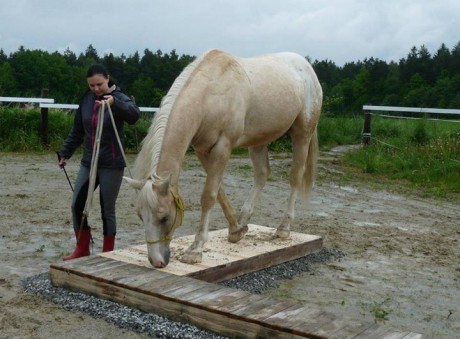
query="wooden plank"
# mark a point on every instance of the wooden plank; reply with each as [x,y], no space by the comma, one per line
[203,317]
[200,293]
[216,308]
[251,310]
[79,263]
[164,282]
[413,335]
[144,277]
[245,316]
[301,320]
[375,331]
[270,309]
[177,291]
[215,296]
[256,262]
[222,260]
[237,304]
[221,299]
[347,328]
[341,328]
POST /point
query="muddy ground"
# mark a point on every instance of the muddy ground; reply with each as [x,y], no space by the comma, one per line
[402,263]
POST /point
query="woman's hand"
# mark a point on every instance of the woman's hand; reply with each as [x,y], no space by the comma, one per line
[109,99]
[62,162]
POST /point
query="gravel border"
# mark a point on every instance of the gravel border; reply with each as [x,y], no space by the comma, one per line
[156,326]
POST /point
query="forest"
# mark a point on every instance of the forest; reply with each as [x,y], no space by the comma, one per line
[418,80]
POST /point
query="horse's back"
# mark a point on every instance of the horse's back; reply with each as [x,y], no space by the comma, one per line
[283,86]
[249,101]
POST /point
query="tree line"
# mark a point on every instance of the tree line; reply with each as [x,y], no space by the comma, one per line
[418,80]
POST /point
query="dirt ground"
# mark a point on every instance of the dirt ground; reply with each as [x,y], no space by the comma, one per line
[402,263]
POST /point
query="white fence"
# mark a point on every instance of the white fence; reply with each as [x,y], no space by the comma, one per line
[74,106]
[49,103]
[46,103]
[26,100]
[369,109]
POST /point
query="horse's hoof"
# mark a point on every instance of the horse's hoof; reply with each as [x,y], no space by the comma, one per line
[191,258]
[283,234]
[238,235]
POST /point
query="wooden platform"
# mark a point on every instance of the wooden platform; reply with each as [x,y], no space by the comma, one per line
[223,260]
[125,276]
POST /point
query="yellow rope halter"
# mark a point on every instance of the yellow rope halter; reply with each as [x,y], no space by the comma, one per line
[179,207]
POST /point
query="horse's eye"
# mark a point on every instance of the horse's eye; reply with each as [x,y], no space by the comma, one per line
[164,220]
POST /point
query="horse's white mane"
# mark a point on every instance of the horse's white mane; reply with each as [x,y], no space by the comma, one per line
[147,160]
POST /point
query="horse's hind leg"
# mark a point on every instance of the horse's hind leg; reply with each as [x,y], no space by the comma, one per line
[300,148]
[259,157]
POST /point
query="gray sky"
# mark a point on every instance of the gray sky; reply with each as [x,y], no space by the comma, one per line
[337,30]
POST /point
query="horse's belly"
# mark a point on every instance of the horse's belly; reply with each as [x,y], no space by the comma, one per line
[262,131]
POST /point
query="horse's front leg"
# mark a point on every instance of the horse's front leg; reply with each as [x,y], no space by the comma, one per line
[214,163]
[235,232]
[194,253]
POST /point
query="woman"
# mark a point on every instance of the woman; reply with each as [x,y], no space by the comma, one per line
[110,164]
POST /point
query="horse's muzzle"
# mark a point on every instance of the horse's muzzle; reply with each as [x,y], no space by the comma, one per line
[160,260]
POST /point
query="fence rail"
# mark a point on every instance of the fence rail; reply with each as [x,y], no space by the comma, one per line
[47,103]
[27,100]
[75,106]
[411,109]
[368,114]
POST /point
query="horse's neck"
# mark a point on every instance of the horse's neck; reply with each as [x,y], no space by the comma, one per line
[175,143]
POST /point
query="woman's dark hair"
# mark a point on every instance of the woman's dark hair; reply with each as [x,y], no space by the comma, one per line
[98,69]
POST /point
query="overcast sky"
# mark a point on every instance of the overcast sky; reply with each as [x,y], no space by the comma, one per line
[337,30]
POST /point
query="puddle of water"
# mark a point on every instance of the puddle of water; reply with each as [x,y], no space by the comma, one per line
[366,223]
[347,189]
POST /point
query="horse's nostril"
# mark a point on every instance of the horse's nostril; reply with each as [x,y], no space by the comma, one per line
[160,264]
[157,263]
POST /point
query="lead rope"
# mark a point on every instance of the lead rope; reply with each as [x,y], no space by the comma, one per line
[95,160]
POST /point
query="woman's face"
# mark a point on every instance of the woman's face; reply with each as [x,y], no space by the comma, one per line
[98,84]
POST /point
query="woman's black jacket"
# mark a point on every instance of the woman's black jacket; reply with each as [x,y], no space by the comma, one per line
[84,129]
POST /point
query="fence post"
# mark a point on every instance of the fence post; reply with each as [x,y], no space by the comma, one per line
[44,120]
[367,128]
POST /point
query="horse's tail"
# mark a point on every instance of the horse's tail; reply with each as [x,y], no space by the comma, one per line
[310,167]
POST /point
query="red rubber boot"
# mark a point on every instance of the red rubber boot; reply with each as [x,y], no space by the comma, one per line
[109,243]
[82,248]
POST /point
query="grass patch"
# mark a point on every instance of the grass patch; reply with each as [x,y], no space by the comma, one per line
[380,311]
[335,131]
[423,153]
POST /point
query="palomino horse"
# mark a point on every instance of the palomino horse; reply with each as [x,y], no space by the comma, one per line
[218,103]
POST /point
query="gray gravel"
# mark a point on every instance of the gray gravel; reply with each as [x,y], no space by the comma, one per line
[157,326]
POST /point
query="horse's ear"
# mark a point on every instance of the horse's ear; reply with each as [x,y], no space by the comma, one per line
[137,184]
[162,186]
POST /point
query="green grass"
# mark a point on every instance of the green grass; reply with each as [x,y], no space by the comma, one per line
[334,131]
[19,131]
[426,154]
[423,153]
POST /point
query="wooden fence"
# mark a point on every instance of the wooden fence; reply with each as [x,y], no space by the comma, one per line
[368,112]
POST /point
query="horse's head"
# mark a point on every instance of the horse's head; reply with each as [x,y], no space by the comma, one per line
[161,210]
